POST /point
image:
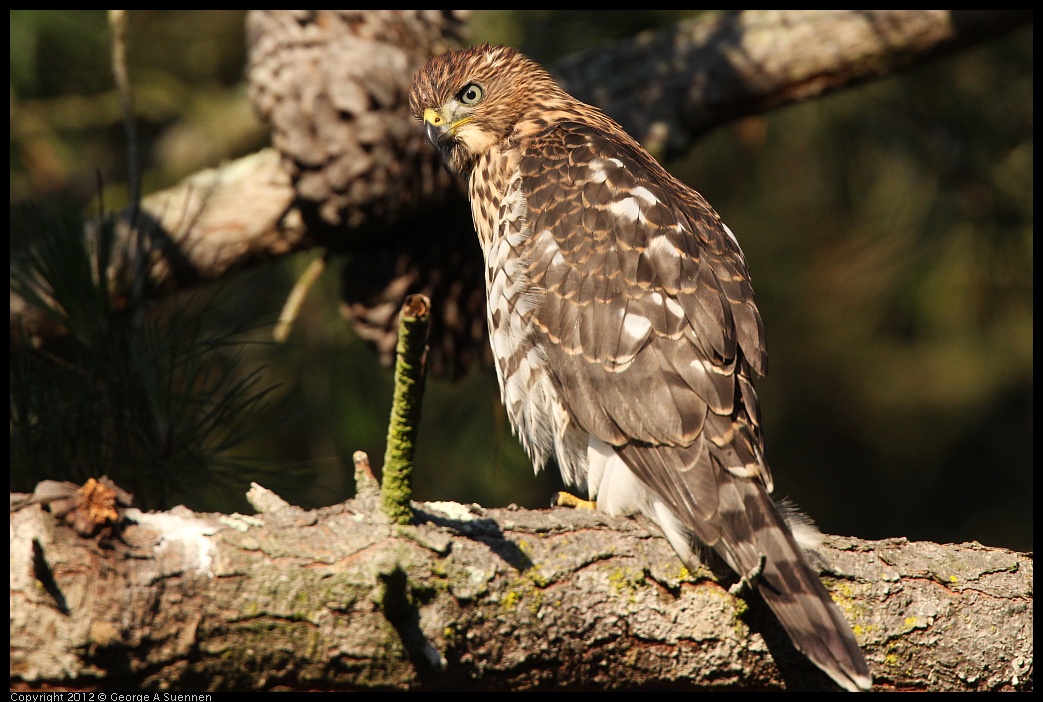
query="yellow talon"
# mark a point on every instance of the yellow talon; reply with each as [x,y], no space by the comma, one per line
[565,499]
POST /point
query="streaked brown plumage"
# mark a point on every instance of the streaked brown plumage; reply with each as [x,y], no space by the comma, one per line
[623,327]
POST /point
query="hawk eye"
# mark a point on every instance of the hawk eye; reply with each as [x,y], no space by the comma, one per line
[471,94]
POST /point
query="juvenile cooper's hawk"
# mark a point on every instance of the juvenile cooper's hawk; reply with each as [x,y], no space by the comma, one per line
[623,328]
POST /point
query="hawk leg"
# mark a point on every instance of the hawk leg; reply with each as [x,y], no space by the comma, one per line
[749,580]
[566,499]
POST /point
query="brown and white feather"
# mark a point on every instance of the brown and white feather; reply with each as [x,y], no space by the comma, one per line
[624,328]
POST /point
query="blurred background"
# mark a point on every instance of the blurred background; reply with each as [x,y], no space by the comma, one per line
[888,229]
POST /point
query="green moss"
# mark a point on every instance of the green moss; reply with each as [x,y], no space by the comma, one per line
[861,631]
[626,579]
[741,607]
[510,600]
[528,586]
[537,578]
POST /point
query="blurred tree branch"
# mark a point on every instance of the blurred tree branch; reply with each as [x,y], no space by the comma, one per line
[668,88]
[467,598]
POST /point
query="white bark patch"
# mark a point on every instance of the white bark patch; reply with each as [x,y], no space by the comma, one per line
[189,534]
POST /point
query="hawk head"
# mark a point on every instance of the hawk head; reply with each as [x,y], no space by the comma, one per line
[474,100]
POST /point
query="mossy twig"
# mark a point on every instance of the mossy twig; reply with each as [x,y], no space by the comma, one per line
[410,370]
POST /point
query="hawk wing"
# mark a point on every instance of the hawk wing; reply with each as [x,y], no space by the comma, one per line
[647,319]
[647,311]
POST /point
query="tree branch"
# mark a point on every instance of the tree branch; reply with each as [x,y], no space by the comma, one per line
[469,598]
[667,89]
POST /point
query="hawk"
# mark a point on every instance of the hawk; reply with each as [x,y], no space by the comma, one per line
[623,328]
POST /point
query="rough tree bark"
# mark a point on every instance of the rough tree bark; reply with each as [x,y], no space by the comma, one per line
[473,599]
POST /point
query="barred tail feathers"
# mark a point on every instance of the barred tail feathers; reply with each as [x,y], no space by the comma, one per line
[788,584]
[699,503]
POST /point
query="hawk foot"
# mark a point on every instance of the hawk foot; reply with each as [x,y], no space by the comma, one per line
[748,580]
[565,499]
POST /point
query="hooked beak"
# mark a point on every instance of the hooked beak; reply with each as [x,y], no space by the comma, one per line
[441,127]
[436,129]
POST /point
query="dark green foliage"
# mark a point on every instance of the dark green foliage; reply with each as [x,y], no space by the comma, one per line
[153,398]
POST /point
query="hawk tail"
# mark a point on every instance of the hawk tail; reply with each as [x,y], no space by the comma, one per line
[699,503]
[757,542]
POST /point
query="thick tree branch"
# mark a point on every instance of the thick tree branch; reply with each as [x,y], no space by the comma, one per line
[667,88]
[469,599]
[215,221]
[670,87]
